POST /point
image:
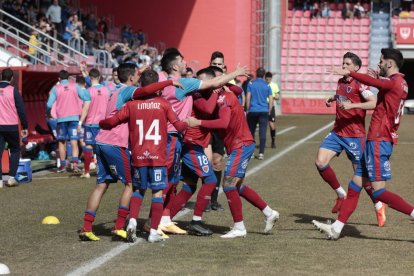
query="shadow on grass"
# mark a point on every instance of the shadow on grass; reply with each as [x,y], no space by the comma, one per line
[348,231]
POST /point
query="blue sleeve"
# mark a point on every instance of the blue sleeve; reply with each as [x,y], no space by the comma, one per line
[249,87]
[51,101]
[83,94]
[270,93]
[88,81]
[190,85]
[125,95]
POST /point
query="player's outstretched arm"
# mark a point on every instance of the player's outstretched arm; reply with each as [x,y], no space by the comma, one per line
[370,81]
[207,106]
[221,122]
[121,117]
[151,89]
[223,79]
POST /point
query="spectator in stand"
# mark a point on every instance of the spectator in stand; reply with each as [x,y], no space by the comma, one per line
[67,35]
[359,10]
[315,12]
[12,109]
[45,42]
[103,26]
[347,11]
[91,26]
[34,41]
[54,15]
[141,37]
[326,10]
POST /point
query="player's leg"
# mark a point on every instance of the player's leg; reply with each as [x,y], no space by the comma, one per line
[88,150]
[272,126]
[193,157]
[329,148]
[12,138]
[263,119]
[238,167]
[157,177]
[74,138]
[217,162]
[141,179]
[252,121]
[61,137]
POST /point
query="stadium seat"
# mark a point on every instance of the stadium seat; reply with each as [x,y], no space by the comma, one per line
[297,20]
[306,14]
[298,13]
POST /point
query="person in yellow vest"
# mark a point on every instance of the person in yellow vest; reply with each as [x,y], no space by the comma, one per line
[12,109]
[33,40]
[272,117]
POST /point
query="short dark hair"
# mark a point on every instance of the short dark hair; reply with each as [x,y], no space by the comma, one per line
[168,60]
[189,69]
[80,80]
[125,70]
[7,74]
[207,71]
[94,73]
[354,58]
[171,50]
[216,54]
[268,75]
[115,69]
[63,75]
[148,76]
[260,72]
[394,54]
[216,69]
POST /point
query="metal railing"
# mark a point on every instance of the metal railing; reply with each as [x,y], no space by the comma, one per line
[56,46]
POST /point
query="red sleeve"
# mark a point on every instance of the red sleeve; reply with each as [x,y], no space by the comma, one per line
[378,83]
[237,90]
[120,117]
[206,106]
[221,122]
[150,89]
[173,119]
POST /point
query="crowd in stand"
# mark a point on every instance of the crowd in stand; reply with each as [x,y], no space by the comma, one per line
[68,24]
[324,8]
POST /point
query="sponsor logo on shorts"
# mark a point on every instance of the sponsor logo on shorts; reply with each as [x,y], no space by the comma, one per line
[157,175]
[113,169]
[387,166]
[244,164]
[353,145]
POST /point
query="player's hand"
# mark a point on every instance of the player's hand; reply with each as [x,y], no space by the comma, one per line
[241,70]
[142,69]
[79,128]
[338,71]
[345,105]
[24,132]
[192,122]
[328,101]
[373,73]
[178,84]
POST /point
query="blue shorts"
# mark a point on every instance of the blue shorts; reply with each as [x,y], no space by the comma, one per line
[52,123]
[238,160]
[174,146]
[353,146]
[196,164]
[67,130]
[90,134]
[113,163]
[154,178]
[376,163]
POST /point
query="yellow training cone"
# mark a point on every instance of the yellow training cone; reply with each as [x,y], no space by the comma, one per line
[50,220]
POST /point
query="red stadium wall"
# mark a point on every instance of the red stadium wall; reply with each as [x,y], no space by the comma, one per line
[197,28]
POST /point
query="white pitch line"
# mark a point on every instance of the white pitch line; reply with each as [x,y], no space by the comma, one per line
[285,130]
[101,260]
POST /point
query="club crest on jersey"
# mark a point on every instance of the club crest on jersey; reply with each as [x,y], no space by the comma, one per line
[205,168]
[387,166]
[221,99]
[157,175]
[348,89]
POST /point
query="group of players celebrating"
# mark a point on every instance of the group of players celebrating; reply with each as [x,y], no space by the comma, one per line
[150,130]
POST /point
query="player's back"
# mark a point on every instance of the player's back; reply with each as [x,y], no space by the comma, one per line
[118,135]
[237,132]
[148,131]
[100,96]
[387,114]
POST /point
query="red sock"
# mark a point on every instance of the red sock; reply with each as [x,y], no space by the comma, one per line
[121,218]
[181,199]
[235,204]
[252,197]
[329,176]
[395,202]
[135,205]
[368,188]
[350,203]
[87,156]
[156,207]
[203,197]
[88,220]
[166,194]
